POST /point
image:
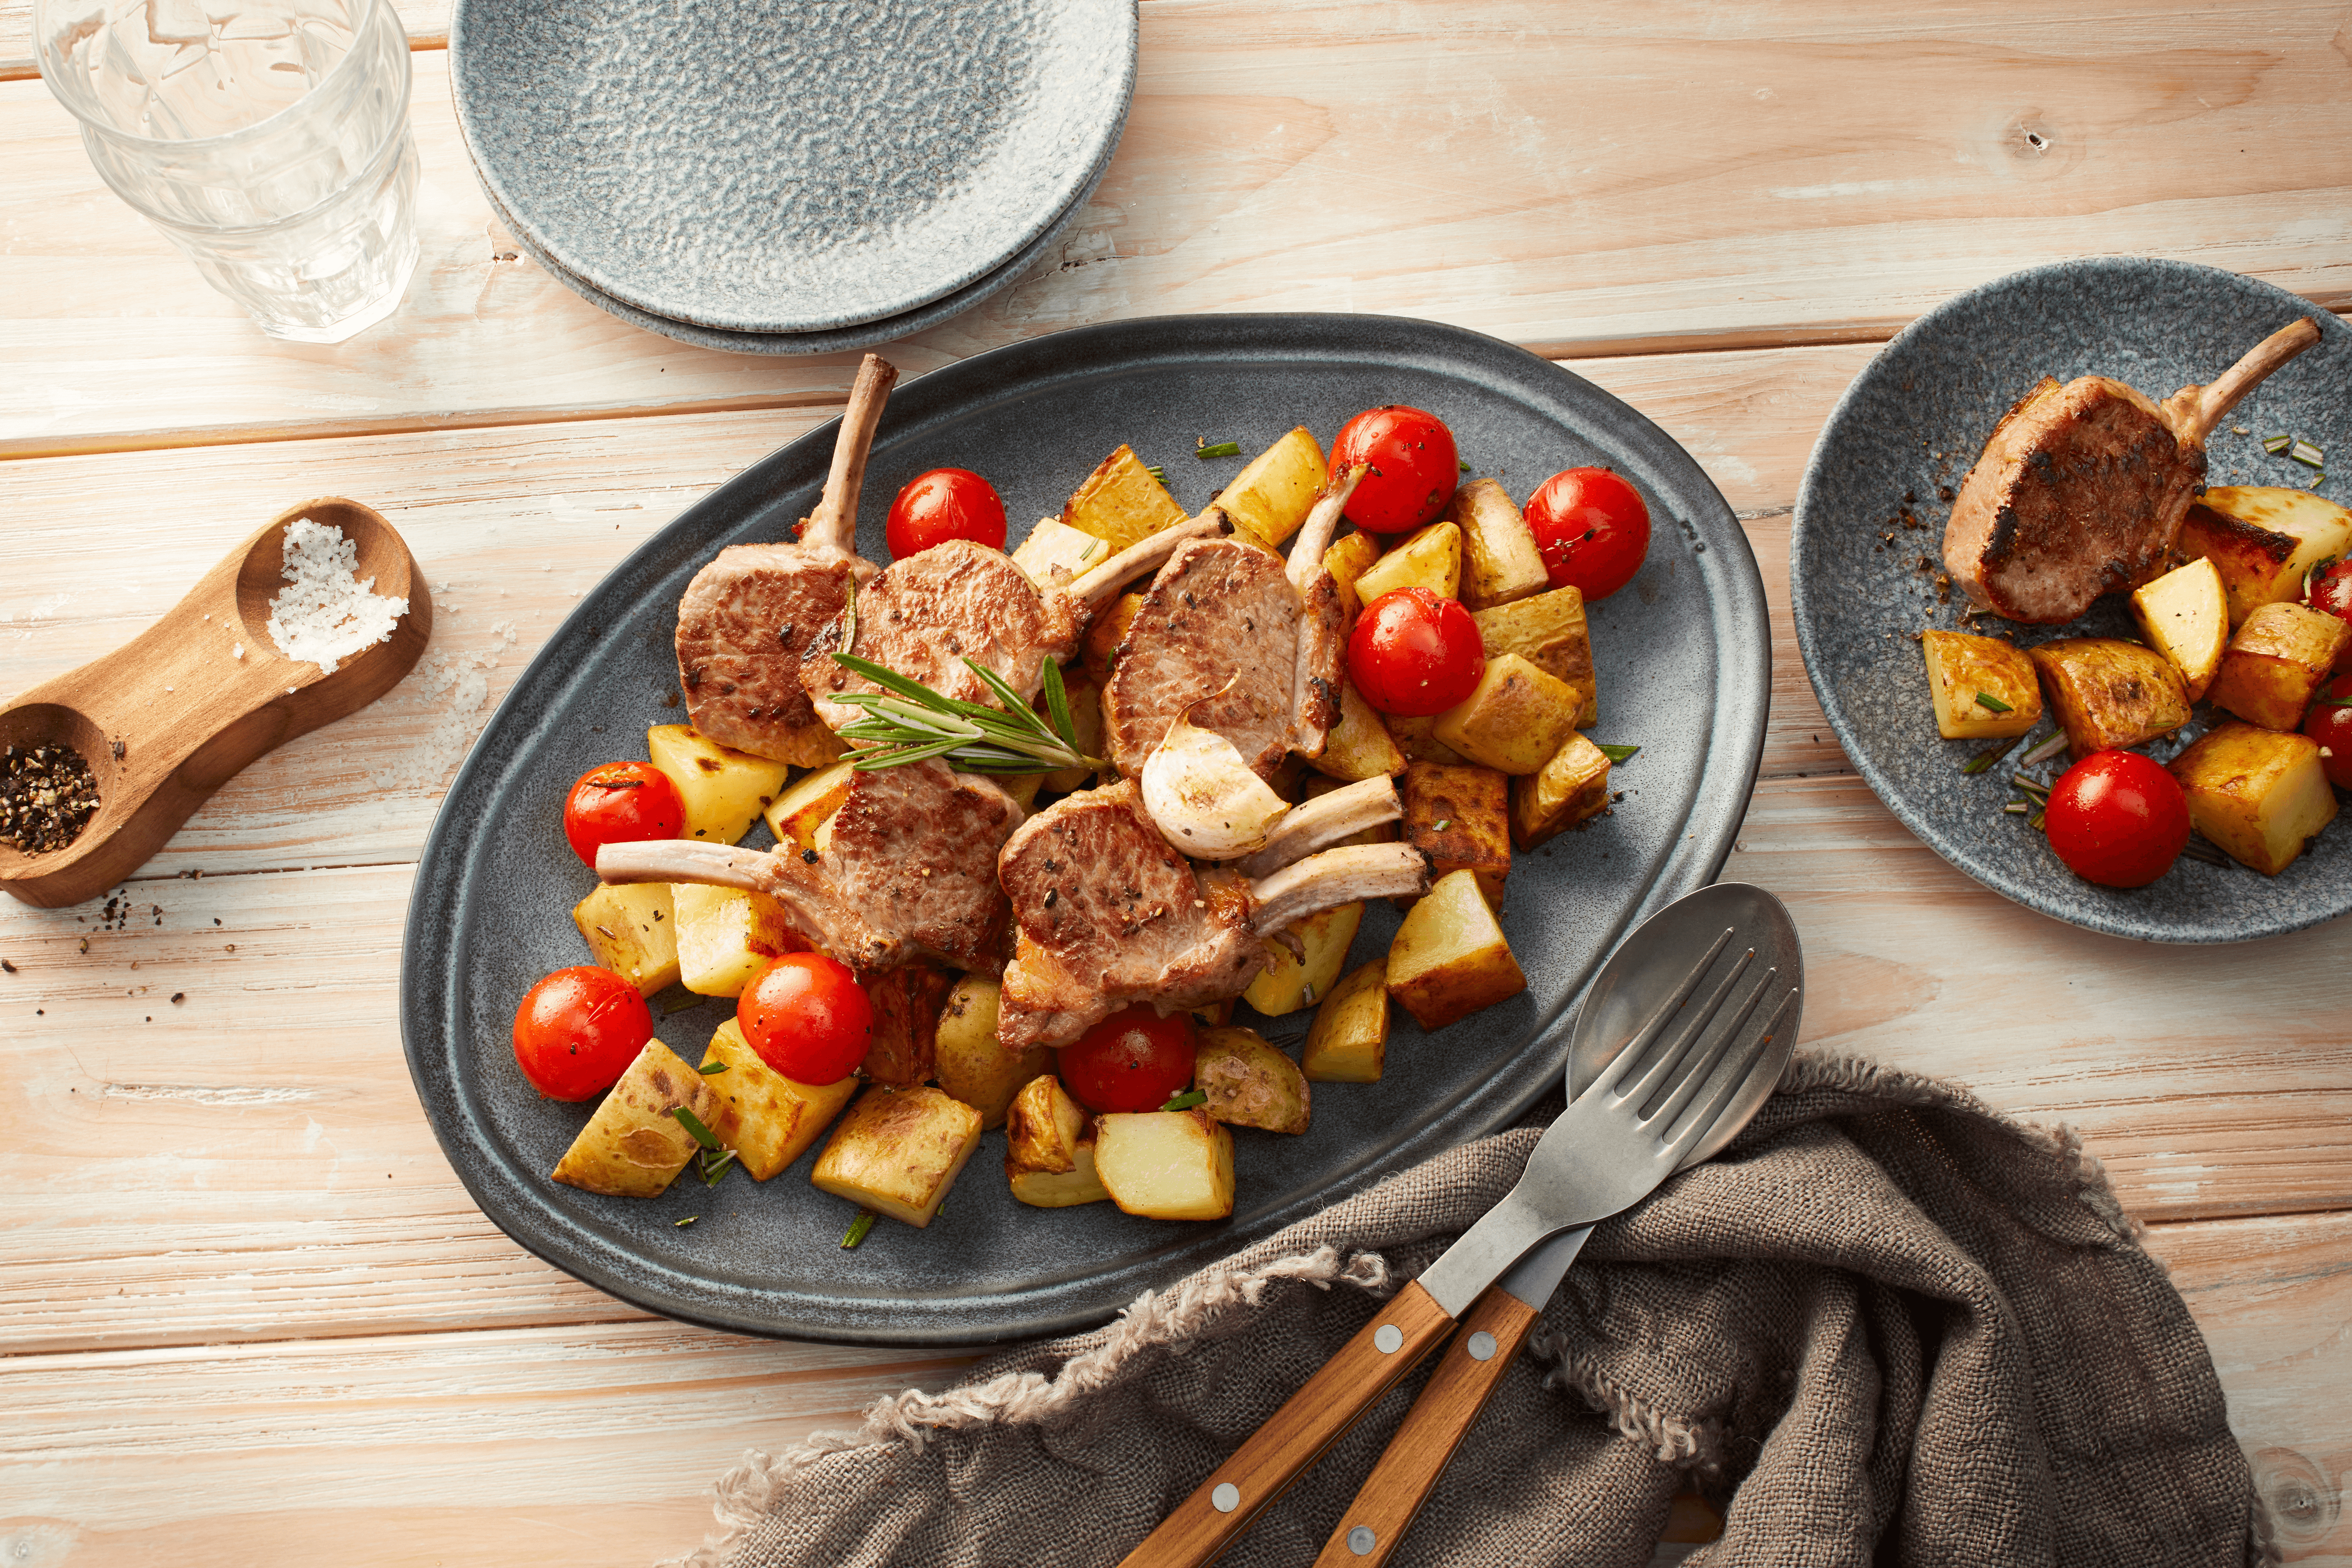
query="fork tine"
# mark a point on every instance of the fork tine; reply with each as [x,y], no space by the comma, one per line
[1693,1029]
[1696,1125]
[1720,1040]
[1641,1039]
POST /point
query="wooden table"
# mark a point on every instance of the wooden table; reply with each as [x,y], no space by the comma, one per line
[248,1313]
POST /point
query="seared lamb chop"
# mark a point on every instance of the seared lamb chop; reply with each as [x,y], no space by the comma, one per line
[910,871]
[747,618]
[2082,489]
[1109,915]
[1249,647]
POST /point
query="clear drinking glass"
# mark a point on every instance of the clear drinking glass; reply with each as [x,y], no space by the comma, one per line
[268,139]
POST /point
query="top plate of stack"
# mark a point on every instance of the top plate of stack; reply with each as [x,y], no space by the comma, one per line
[788,166]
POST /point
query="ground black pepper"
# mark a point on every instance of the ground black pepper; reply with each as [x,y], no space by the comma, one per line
[48,795]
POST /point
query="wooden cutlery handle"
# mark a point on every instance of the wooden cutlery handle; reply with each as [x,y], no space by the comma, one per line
[1376,1521]
[1294,1436]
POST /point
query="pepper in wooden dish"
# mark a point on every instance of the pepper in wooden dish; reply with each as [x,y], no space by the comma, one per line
[48,795]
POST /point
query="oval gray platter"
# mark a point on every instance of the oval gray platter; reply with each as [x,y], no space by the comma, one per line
[788,166]
[1915,418]
[1684,660]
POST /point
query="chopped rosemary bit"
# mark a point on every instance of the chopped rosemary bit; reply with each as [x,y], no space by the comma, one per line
[693,1123]
[1221,449]
[1462,466]
[1441,825]
[1092,545]
[912,722]
[1156,472]
[2016,809]
[1983,761]
[2031,786]
[857,1229]
[688,1220]
[2043,751]
[711,1167]
[1619,754]
[710,1069]
[678,1005]
[2307,453]
[2274,445]
[1186,1100]
[1987,699]
[2034,822]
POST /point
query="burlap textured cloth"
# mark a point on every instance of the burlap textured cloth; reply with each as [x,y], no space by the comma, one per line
[1886,1326]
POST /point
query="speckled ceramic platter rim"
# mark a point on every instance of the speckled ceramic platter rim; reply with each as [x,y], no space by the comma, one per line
[950,277]
[2157,325]
[1685,660]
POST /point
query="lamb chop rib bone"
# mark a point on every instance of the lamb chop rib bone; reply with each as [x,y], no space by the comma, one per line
[2082,489]
[1325,820]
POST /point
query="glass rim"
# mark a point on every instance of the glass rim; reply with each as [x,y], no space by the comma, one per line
[42,10]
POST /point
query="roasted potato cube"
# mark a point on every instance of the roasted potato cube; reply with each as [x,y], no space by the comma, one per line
[794,815]
[2260,794]
[1359,746]
[1276,489]
[1061,1189]
[1417,738]
[1500,562]
[1549,631]
[1294,982]
[724,790]
[1573,787]
[969,1063]
[1449,958]
[1514,720]
[1983,686]
[1430,559]
[1166,1164]
[633,1145]
[903,1050]
[1042,1127]
[1099,647]
[769,1119]
[1087,719]
[1120,503]
[1460,816]
[898,1152]
[2110,693]
[2184,616]
[1055,553]
[2263,539]
[1348,1041]
[725,936]
[1248,1082]
[2279,658]
[1347,559]
[632,930]
[1216,1015]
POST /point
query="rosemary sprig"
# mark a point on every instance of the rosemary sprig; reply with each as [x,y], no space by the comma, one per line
[909,722]
[857,1229]
[1984,759]
[1619,754]
[1185,1100]
[1987,699]
[1206,448]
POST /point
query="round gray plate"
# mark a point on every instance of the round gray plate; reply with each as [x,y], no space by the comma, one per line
[1685,665]
[788,166]
[1916,418]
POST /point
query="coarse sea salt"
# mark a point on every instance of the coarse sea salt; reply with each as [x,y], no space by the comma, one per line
[327,611]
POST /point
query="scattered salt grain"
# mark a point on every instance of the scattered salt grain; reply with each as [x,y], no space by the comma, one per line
[327,611]
[237,652]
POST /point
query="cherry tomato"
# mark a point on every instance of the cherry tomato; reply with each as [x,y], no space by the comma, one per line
[943,504]
[1413,464]
[807,1018]
[1130,1061]
[2118,818]
[1591,529]
[621,802]
[1415,654]
[2331,594]
[2331,726]
[578,1030]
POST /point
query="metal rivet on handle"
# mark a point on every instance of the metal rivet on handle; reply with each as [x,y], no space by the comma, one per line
[1482,1346]
[1360,1540]
[1389,1339]
[1227,1497]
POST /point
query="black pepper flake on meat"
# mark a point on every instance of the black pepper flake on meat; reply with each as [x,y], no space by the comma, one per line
[48,795]
[808,857]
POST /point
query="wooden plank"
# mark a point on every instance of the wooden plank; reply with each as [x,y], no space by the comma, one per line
[1816,173]
[427,22]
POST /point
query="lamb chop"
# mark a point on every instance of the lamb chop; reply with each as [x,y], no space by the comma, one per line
[748,618]
[1110,914]
[2082,489]
[910,871]
[1249,647]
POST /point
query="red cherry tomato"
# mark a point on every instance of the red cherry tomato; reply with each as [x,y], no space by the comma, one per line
[943,504]
[621,802]
[578,1030]
[1413,464]
[1415,654]
[807,1018]
[2331,594]
[1132,1060]
[1591,529]
[2331,726]
[2118,819]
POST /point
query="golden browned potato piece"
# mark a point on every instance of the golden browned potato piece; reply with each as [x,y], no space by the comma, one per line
[1348,1041]
[1276,489]
[767,1118]
[1573,787]
[2263,539]
[1295,981]
[1049,1151]
[1514,720]
[1248,1082]
[1449,959]
[898,1152]
[1430,559]
[723,790]
[1100,644]
[1055,553]
[1461,818]
[632,930]
[1061,1189]
[726,935]
[634,1144]
[2184,616]
[1500,562]
[2109,693]
[1166,1164]
[1983,686]
[970,1062]
[2260,794]
[1347,559]
[1359,746]
[2275,663]
[794,815]
[1416,737]
[1120,503]
[1550,632]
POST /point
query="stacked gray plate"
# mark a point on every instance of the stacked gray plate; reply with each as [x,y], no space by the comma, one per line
[790,176]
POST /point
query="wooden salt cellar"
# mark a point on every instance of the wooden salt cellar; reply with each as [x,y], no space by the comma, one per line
[189,714]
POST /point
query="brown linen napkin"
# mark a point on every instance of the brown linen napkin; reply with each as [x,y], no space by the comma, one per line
[1885,1326]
